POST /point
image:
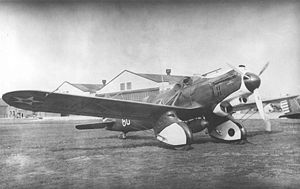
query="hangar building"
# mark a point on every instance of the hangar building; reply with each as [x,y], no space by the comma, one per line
[129,85]
[7,111]
[79,89]
[3,109]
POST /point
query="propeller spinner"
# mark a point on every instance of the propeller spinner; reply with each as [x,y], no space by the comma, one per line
[252,83]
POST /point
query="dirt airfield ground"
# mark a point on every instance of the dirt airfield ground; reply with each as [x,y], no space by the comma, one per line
[53,154]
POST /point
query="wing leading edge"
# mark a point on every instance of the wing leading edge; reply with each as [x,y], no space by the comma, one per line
[41,101]
[253,104]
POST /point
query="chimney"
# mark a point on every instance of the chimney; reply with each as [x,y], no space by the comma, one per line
[168,71]
[103,82]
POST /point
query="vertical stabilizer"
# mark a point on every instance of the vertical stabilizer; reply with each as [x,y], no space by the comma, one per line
[291,108]
[290,105]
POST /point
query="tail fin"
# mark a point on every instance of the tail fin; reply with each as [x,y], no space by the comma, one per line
[290,105]
[291,108]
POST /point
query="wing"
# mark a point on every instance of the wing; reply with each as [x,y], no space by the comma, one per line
[41,101]
[253,104]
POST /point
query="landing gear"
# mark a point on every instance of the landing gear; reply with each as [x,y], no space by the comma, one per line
[228,131]
[172,132]
[122,136]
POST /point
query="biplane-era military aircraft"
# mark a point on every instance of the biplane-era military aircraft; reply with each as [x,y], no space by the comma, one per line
[291,108]
[192,105]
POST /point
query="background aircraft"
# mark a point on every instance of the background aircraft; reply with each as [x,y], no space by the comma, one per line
[291,108]
[189,107]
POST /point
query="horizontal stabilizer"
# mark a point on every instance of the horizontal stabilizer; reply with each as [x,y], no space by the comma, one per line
[291,115]
[93,126]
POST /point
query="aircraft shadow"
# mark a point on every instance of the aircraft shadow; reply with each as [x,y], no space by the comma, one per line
[203,140]
[208,139]
[128,137]
[121,146]
[197,140]
[214,140]
[258,133]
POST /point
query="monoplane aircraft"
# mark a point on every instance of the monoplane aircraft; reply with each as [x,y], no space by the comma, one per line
[192,105]
[291,108]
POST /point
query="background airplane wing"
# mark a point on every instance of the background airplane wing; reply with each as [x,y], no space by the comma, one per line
[253,105]
[41,101]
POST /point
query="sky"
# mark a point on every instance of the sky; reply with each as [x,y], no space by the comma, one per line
[43,43]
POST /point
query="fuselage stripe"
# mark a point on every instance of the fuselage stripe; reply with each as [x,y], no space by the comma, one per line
[286,110]
[285,106]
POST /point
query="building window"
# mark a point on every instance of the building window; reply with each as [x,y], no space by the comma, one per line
[128,85]
[122,86]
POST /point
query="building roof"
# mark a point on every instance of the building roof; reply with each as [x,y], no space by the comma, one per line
[128,92]
[92,88]
[161,78]
[158,78]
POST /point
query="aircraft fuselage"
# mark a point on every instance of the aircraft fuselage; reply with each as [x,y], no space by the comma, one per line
[205,92]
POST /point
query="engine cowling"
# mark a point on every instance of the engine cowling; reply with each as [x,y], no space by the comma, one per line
[170,130]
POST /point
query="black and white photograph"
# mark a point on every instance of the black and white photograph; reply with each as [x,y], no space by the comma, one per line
[150,94]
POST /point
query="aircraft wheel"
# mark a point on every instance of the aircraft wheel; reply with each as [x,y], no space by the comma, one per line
[122,136]
[176,135]
[228,131]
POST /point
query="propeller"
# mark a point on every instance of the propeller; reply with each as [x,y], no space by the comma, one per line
[252,83]
[259,104]
[264,68]
[261,111]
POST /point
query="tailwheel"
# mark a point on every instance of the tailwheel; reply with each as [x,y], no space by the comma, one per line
[122,136]
[228,131]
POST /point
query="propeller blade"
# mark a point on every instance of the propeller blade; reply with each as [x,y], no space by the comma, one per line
[264,68]
[259,104]
[261,111]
